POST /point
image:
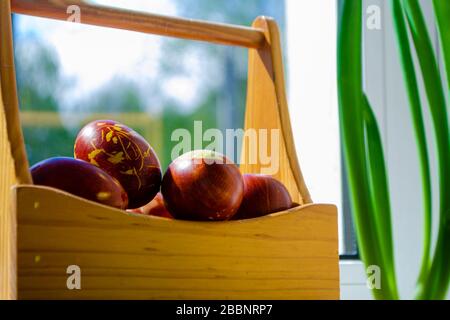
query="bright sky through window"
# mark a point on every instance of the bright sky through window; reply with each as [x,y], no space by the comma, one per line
[92,56]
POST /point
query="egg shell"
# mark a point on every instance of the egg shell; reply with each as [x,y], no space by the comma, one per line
[263,195]
[125,155]
[81,179]
[155,207]
[202,185]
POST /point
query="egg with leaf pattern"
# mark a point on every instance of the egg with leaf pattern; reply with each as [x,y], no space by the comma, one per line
[125,155]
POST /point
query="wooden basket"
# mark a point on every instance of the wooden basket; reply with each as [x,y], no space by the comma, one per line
[287,255]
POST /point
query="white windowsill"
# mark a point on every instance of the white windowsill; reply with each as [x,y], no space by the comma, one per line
[353,281]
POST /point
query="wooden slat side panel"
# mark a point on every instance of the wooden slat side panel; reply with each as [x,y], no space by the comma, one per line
[290,255]
[7,218]
[291,160]
[13,160]
[266,112]
[10,105]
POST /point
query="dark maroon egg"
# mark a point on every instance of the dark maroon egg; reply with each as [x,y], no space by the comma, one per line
[155,207]
[202,185]
[125,155]
[81,179]
[262,195]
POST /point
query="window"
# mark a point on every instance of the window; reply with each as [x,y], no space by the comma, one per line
[311,40]
[69,74]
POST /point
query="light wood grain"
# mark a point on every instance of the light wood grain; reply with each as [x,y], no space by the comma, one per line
[267,109]
[289,255]
[143,22]
[8,115]
[160,294]
[7,218]
[10,98]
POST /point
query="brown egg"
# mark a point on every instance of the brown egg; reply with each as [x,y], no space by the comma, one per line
[202,185]
[155,207]
[125,155]
[81,179]
[262,195]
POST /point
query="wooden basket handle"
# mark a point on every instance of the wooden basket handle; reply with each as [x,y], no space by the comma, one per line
[143,22]
[266,99]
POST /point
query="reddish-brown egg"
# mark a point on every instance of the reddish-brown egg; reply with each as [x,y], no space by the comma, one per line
[202,185]
[262,195]
[155,207]
[125,155]
[81,179]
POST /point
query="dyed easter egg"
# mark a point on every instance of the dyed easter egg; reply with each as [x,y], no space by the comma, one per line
[125,155]
[262,195]
[155,207]
[81,179]
[202,185]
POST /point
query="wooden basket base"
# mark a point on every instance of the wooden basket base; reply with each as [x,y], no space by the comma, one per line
[287,255]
